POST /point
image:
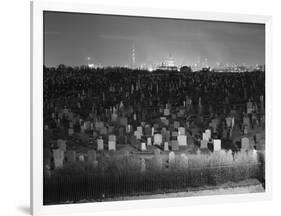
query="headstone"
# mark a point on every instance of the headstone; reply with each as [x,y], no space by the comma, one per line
[166,112]
[176,124]
[112,145]
[121,131]
[99,125]
[143,146]
[166,146]
[137,134]
[81,157]
[70,131]
[103,131]
[100,144]
[112,137]
[110,129]
[208,134]
[183,161]
[203,144]
[61,144]
[156,162]
[181,130]
[175,145]
[172,159]
[129,128]
[147,130]
[205,137]
[139,129]
[71,156]
[182,140]
[157,139]
[217,144]
[87,125]
[148,141]
[58,155]
[175,134]
[245,143]
[123,121]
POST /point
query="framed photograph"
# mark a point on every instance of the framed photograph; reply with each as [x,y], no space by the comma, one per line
[140,107]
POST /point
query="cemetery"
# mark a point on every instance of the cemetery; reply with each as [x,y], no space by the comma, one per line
[117,132]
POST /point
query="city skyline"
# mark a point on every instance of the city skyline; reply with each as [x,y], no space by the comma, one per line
[76,39]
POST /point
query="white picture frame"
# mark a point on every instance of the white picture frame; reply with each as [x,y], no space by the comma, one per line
[37,8]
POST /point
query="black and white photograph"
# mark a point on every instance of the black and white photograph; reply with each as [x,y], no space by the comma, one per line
[138,107]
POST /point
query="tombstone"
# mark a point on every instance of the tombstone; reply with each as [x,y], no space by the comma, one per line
[100,144]
[112,137]
[143,166]
[176,124]
[148,141]
[172,159]
[249,107]
[217,144]
[174,116]
[139,129]
[99,125]
[137,134]
[166,122]
[81,157]
[71,156]
[166,112]
[228,121]
[245,143]
[246,121]
[110,129]
[183,161]
[245,130]
[70,131]
[147,130]
[181,131]
[92,156]
[157,139]
[82,129]
[175,134]
[121,131]
[61,144]
[182,140]
[152,131]
[103,131]
[166,146]
[143,146]
[58,155]
[205,137]
[87,125]
[114,117]
[129,128]
[203,144]
[175,145]
[123,121]
[208,134]
[214,124]
[112,145]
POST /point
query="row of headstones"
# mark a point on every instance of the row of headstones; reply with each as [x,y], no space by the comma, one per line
[59,157]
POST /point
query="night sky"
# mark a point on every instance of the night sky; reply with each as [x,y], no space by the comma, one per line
[70,38]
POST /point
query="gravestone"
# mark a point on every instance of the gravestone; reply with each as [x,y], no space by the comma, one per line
[121,131]
[156,162]
[87,125]
[172,159]
[123,121]
[139,129]
[99,125]
[203,144]
[182,140]
[110,129]
[111,145]
[166,146]
[166,112]
[175,134]
[70,131]
[100,144]
[175,145]
[61,144]
[157,139]
[81,157]
[112,137]
[148,141]
[103,131]
[143,146]
[217,144]
[208,133]
[71,156]
[176,124]
[245,143]
[181,131]
[137,134]
[147,130]
[205,137]
[183,161]
[58,156]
